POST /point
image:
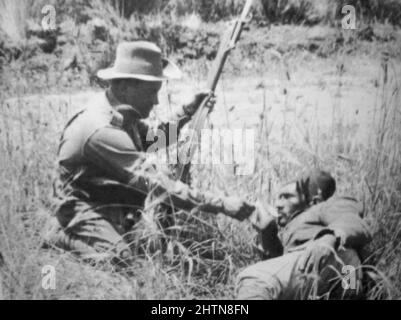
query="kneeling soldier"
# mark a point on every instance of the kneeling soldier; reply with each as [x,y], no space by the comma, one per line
[101,181]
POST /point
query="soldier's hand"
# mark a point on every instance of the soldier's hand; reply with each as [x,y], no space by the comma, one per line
[237,208]
[191,107]
[262,218]
[317,254]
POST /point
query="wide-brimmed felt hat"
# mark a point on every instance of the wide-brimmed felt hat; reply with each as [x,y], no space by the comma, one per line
[140,60]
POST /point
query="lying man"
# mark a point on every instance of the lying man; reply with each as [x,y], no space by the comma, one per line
[103,182]
[310,243]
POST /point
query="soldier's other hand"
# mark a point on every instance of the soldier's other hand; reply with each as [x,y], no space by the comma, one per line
[317,254]
[237,208]
[191,107]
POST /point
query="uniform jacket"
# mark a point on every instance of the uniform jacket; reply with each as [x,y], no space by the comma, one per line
[339,216]
[99,158]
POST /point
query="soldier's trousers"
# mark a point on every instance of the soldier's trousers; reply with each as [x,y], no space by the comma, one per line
[100,233]
[280,278]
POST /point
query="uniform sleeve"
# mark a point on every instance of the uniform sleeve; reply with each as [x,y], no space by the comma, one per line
[343,219]
[112,150]
[270,241]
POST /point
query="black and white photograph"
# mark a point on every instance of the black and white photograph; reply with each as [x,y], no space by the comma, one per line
[218,151]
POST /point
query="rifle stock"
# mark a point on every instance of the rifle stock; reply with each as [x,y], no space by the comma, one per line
[228,43]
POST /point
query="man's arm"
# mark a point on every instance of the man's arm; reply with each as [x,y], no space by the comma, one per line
[343,228]
[264,222]
[342,218]
[270,241]
[112,150]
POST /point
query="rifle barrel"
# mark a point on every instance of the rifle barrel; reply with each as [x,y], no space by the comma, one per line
[197,124]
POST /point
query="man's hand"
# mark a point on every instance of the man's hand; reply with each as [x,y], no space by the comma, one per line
[262,218]
[191,107]
[237,208]
[317,254]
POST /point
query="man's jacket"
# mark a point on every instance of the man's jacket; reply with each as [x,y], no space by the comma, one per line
[100,158]
[340,216]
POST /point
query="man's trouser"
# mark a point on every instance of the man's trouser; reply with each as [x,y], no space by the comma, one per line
[100,233]
[280,278]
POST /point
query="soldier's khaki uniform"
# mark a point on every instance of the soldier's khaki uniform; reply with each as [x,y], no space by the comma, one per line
[100,184]
[279,277]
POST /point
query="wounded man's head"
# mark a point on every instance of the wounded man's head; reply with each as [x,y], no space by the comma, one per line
[311,188]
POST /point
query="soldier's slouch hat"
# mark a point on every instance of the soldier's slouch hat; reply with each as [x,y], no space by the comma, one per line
[141,60]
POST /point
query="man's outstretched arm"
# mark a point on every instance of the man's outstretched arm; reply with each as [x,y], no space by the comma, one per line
[112,150]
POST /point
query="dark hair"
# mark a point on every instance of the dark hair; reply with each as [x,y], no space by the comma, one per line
[314,181]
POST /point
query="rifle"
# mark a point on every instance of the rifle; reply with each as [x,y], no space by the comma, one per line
[229,41]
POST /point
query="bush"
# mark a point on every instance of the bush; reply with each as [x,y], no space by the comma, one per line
[316,11]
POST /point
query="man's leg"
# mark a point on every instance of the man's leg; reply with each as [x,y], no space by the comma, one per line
[280,278]
[93,240]
[268,280]
[341,278]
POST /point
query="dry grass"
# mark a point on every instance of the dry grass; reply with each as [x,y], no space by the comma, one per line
[204,254]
